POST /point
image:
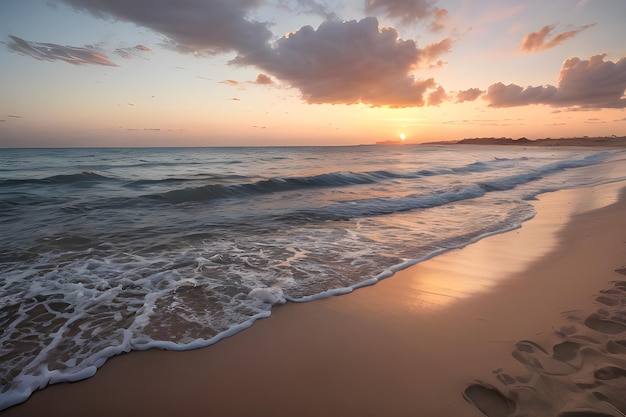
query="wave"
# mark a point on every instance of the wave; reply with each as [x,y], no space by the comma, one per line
[81,178]
[383,206]
[342,179]
[273,185]
[512,181]
[194,178]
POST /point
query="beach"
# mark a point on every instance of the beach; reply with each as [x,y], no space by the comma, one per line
[524,322]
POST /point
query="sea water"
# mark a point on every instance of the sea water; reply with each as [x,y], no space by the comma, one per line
[103,251]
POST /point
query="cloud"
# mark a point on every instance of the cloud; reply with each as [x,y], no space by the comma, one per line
[340,62]
[437,96]
[53,52]
[408,11]
[468,95]
[263,79]
[308,7]
[346,63]
[433,51]
[541,40]
[511,95]
[589,84]
[134,52]
[198,26]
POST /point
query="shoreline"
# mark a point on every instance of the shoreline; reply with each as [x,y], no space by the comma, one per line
[411,344]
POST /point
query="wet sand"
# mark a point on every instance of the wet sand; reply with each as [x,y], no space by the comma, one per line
[529,322]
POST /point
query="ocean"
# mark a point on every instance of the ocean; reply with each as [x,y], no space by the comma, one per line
[103,251]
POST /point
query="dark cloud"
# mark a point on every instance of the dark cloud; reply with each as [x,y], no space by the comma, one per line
[542,39]
[590,84]
[53,52]
[408,11]
[470,94]
[201,26]
[346,63]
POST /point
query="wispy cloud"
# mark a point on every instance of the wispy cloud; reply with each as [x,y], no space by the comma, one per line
[588,84]
[137,51]
[261,79]
[53,52]
[544,39]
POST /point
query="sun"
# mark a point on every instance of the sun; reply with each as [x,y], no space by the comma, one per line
[402,136]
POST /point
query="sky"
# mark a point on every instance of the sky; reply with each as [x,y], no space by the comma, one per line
[100,73]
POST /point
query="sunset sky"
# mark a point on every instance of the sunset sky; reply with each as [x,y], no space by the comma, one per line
[308,72]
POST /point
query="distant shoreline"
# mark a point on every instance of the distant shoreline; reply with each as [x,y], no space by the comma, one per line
[608,141]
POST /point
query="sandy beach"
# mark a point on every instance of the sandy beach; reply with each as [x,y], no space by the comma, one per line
[529,322]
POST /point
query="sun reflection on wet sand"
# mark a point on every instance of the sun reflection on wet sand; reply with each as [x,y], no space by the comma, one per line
[482,266]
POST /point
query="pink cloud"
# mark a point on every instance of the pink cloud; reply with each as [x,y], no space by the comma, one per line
[593,83]
[433,51]
[347,63]
[437,96]
[542,39]
[263,79]
[468,95]
[511,95]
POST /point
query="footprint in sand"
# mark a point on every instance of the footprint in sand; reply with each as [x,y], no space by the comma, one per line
[612,386]
[489,400]
[602,325]
[534,356]
[616,347]
[607,373]
[584,414]
[566,351]
[582,375]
